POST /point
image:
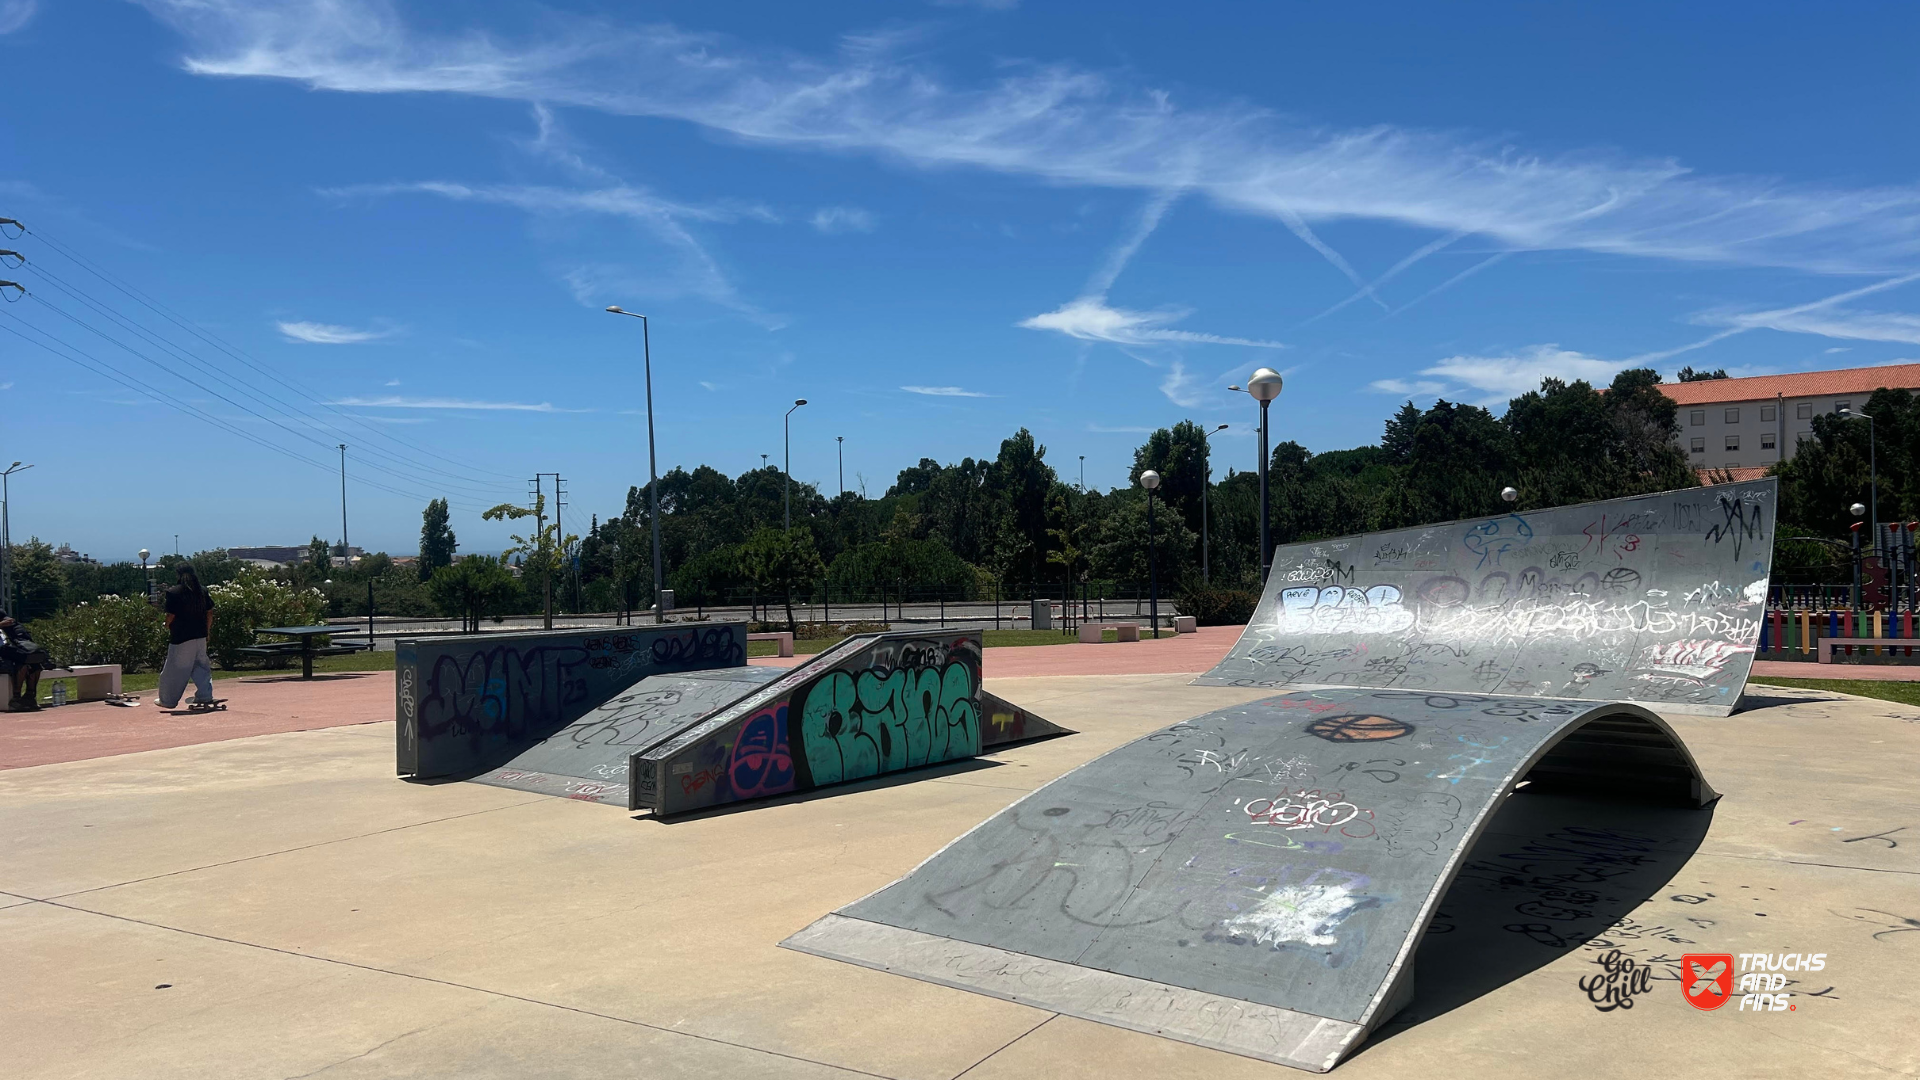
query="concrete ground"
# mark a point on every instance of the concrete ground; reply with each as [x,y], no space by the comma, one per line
[279,905]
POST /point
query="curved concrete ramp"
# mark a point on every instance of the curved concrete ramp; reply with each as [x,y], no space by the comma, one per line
[1253,880]
[1655,599]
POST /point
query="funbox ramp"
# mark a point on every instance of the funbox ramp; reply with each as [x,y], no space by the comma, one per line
[870,705]
[906,686]
[1253,880]
[1656,599]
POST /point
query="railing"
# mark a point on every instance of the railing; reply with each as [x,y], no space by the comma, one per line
[1787,633]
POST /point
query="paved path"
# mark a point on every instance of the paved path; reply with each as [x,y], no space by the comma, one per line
[281,906]
[255,706]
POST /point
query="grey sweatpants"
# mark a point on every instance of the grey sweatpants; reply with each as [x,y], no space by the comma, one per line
[187,660]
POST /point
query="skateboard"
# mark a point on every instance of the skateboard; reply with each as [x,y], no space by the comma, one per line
[216,705]
[125,701]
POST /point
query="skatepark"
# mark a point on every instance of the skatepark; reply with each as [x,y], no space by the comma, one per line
[1418,818]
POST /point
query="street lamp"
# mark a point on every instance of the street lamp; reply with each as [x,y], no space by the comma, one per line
[6,537]
[1264,386]
[1854,530]
[1509,495]
[1083,474]
[653,474]
[1151,480]
[787,469]
[1206,482]
[147,573]
[1873,470]
[842,441]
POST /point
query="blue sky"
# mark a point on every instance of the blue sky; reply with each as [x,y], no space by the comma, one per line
[396,226]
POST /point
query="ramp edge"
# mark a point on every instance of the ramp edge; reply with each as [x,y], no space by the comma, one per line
[1263,1032]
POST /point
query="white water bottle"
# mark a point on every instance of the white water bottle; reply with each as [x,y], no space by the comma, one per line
[60,692]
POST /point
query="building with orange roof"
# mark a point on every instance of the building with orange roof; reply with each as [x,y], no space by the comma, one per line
[1754,423]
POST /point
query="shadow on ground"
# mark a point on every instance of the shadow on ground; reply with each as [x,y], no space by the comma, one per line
[329,676]
[1551,874]
[873,783]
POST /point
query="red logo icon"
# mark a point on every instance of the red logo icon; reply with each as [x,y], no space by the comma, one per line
[1707,979]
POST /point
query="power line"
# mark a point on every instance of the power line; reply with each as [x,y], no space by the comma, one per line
[114,374]
[183,323]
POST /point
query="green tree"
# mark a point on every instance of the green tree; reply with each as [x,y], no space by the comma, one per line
[1179,455]
[782,560]
[253,600]
[39,585]
[319,555]
[1687,374]
[437,542]
[542,552]
[473,588]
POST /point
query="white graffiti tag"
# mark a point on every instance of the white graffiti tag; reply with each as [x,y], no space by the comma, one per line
[1308,914]
[1338,609]
[1698,658]
[1303,809]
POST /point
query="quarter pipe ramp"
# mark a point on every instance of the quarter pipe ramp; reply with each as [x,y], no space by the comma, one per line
[1656,599]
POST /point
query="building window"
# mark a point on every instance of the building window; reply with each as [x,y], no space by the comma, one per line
[1732,465]
[1699,446]
[1733,416]
[1804,410]
[1766,413]
[1733,442]
[1766,441]
[1697,417]
[1843,405]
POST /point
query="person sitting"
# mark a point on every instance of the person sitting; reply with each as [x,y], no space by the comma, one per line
[24,660]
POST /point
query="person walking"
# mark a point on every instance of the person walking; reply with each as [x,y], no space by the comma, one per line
[189,618]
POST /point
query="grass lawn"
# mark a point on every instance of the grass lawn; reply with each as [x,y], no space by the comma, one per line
[145,681]
[141,682]
[1906,693]
[995,639]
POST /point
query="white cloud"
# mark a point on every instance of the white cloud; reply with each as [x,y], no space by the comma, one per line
[1493,380]
[1403,388]
[711,387]
[1840,323]
[839,219]
[393,382]
[452,403]
[1067,125]
[15,14]
[1091,319]
[1837,349]
[943,391]
[313,333]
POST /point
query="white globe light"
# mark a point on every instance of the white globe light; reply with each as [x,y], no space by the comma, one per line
[1857,509]
[1509,494]
[1265,384]
[1149,479]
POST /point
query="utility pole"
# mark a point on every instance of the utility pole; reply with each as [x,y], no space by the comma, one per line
[6,537]
[842,440]
[343,508]
[559,528]
[539,540]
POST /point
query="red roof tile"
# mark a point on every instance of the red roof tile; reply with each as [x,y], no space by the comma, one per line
[1802,384]
[1738,475]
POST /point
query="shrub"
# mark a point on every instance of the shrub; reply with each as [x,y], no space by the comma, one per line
[1214,606]
[253,600]
[124,630]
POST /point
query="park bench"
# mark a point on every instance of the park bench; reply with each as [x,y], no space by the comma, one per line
[91,682]
[1122,631]
[1892,644]
[782,638]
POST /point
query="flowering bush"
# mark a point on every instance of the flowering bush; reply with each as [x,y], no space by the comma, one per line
[124,630]
[253,600]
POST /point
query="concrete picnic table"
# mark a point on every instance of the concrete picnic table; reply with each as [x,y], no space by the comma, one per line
[305,647]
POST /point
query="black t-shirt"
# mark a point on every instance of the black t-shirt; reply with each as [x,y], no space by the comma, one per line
[189,614]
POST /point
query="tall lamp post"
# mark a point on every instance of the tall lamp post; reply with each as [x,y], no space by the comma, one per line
[1873,471]
[786,470]
[1206,481]
[1151,480]
[841,441]
[344,559]
[1856,510]
[6,536]
[148,574]
[653,473]
[1264,386]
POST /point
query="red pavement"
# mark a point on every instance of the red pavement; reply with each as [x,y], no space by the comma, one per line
[270,704]
[255,706]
